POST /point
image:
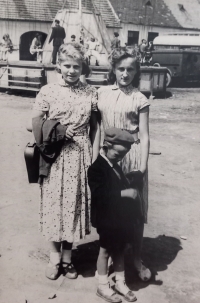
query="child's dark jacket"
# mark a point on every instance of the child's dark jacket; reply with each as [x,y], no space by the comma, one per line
[109,211]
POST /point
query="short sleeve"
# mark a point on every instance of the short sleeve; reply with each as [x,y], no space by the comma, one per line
[142,101]
[41,102]
[94,100]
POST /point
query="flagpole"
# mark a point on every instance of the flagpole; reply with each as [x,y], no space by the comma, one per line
[80,14]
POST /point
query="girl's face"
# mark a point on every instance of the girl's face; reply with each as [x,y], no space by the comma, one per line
[71,69]
[125,71]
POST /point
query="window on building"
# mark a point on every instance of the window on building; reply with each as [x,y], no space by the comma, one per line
[152,36]
[133,37]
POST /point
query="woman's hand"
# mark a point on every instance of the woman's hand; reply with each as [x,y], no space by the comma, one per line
[69,132]
[129,193]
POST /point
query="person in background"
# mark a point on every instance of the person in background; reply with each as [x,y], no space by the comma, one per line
[58,35]
[113,208]
[92,50]
[81,40]
[150,46]
[65,196]
[6,47]
[122,105]
[148,53]
[82,36]
[36,48]
[142,48]
[115,43]
[73,38]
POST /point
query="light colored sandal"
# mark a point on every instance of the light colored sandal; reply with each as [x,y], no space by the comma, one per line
[69,271]
[108,294]
[52,271]
[123,290]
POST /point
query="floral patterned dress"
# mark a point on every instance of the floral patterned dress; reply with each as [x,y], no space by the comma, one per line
[119,107]
[65,197]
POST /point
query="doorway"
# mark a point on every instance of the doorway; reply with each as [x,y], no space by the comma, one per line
[133,37]
[25,43]
[152,36]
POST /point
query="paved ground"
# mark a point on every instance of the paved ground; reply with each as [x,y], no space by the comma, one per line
[173,212]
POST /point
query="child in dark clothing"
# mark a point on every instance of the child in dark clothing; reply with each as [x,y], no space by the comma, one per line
[113,209]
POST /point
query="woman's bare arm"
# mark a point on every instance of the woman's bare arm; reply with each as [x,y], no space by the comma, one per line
[95,134]
[144,137]
[34,114]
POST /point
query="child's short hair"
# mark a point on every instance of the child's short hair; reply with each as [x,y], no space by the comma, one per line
[119,54]
[75,51]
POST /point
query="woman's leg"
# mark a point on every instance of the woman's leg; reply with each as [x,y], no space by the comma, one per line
[137,244]
[4,55]
[144,273]
[66,252]
[55,252]
[52,270]
[68,268]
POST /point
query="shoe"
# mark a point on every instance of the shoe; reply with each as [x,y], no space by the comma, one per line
[69,271]
[123,290]
[108,294]
[52,271]
[144,273]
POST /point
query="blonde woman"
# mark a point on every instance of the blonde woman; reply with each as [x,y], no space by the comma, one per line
[65,198]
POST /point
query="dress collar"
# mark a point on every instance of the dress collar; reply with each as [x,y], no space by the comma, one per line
[63,83]
[126,89]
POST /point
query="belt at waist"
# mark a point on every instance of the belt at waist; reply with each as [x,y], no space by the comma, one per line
[81,132]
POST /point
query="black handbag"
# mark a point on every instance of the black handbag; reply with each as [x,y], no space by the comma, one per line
[32,158]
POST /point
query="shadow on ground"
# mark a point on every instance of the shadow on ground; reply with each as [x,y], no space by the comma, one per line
[159,95]
[85,258]
[158,253]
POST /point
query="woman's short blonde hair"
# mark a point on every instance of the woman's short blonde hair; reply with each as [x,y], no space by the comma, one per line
[75,51]
[72,50]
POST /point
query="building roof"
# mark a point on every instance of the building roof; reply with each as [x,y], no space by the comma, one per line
[144,12]
[167,13]
[107,12]
[37,10]
[186,12]
[45,10]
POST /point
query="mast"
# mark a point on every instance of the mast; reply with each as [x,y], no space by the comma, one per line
[80,15]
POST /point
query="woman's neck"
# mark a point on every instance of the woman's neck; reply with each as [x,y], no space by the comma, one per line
[71,83]
[128,89]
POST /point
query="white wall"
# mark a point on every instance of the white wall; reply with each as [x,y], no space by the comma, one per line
[16,28]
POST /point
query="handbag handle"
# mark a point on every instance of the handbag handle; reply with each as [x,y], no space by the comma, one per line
[32,141]
[31,144]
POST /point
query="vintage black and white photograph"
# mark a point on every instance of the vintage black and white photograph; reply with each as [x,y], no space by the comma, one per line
[100,151]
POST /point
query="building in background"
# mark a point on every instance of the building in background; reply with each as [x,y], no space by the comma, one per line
[146,19]
[134,20]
